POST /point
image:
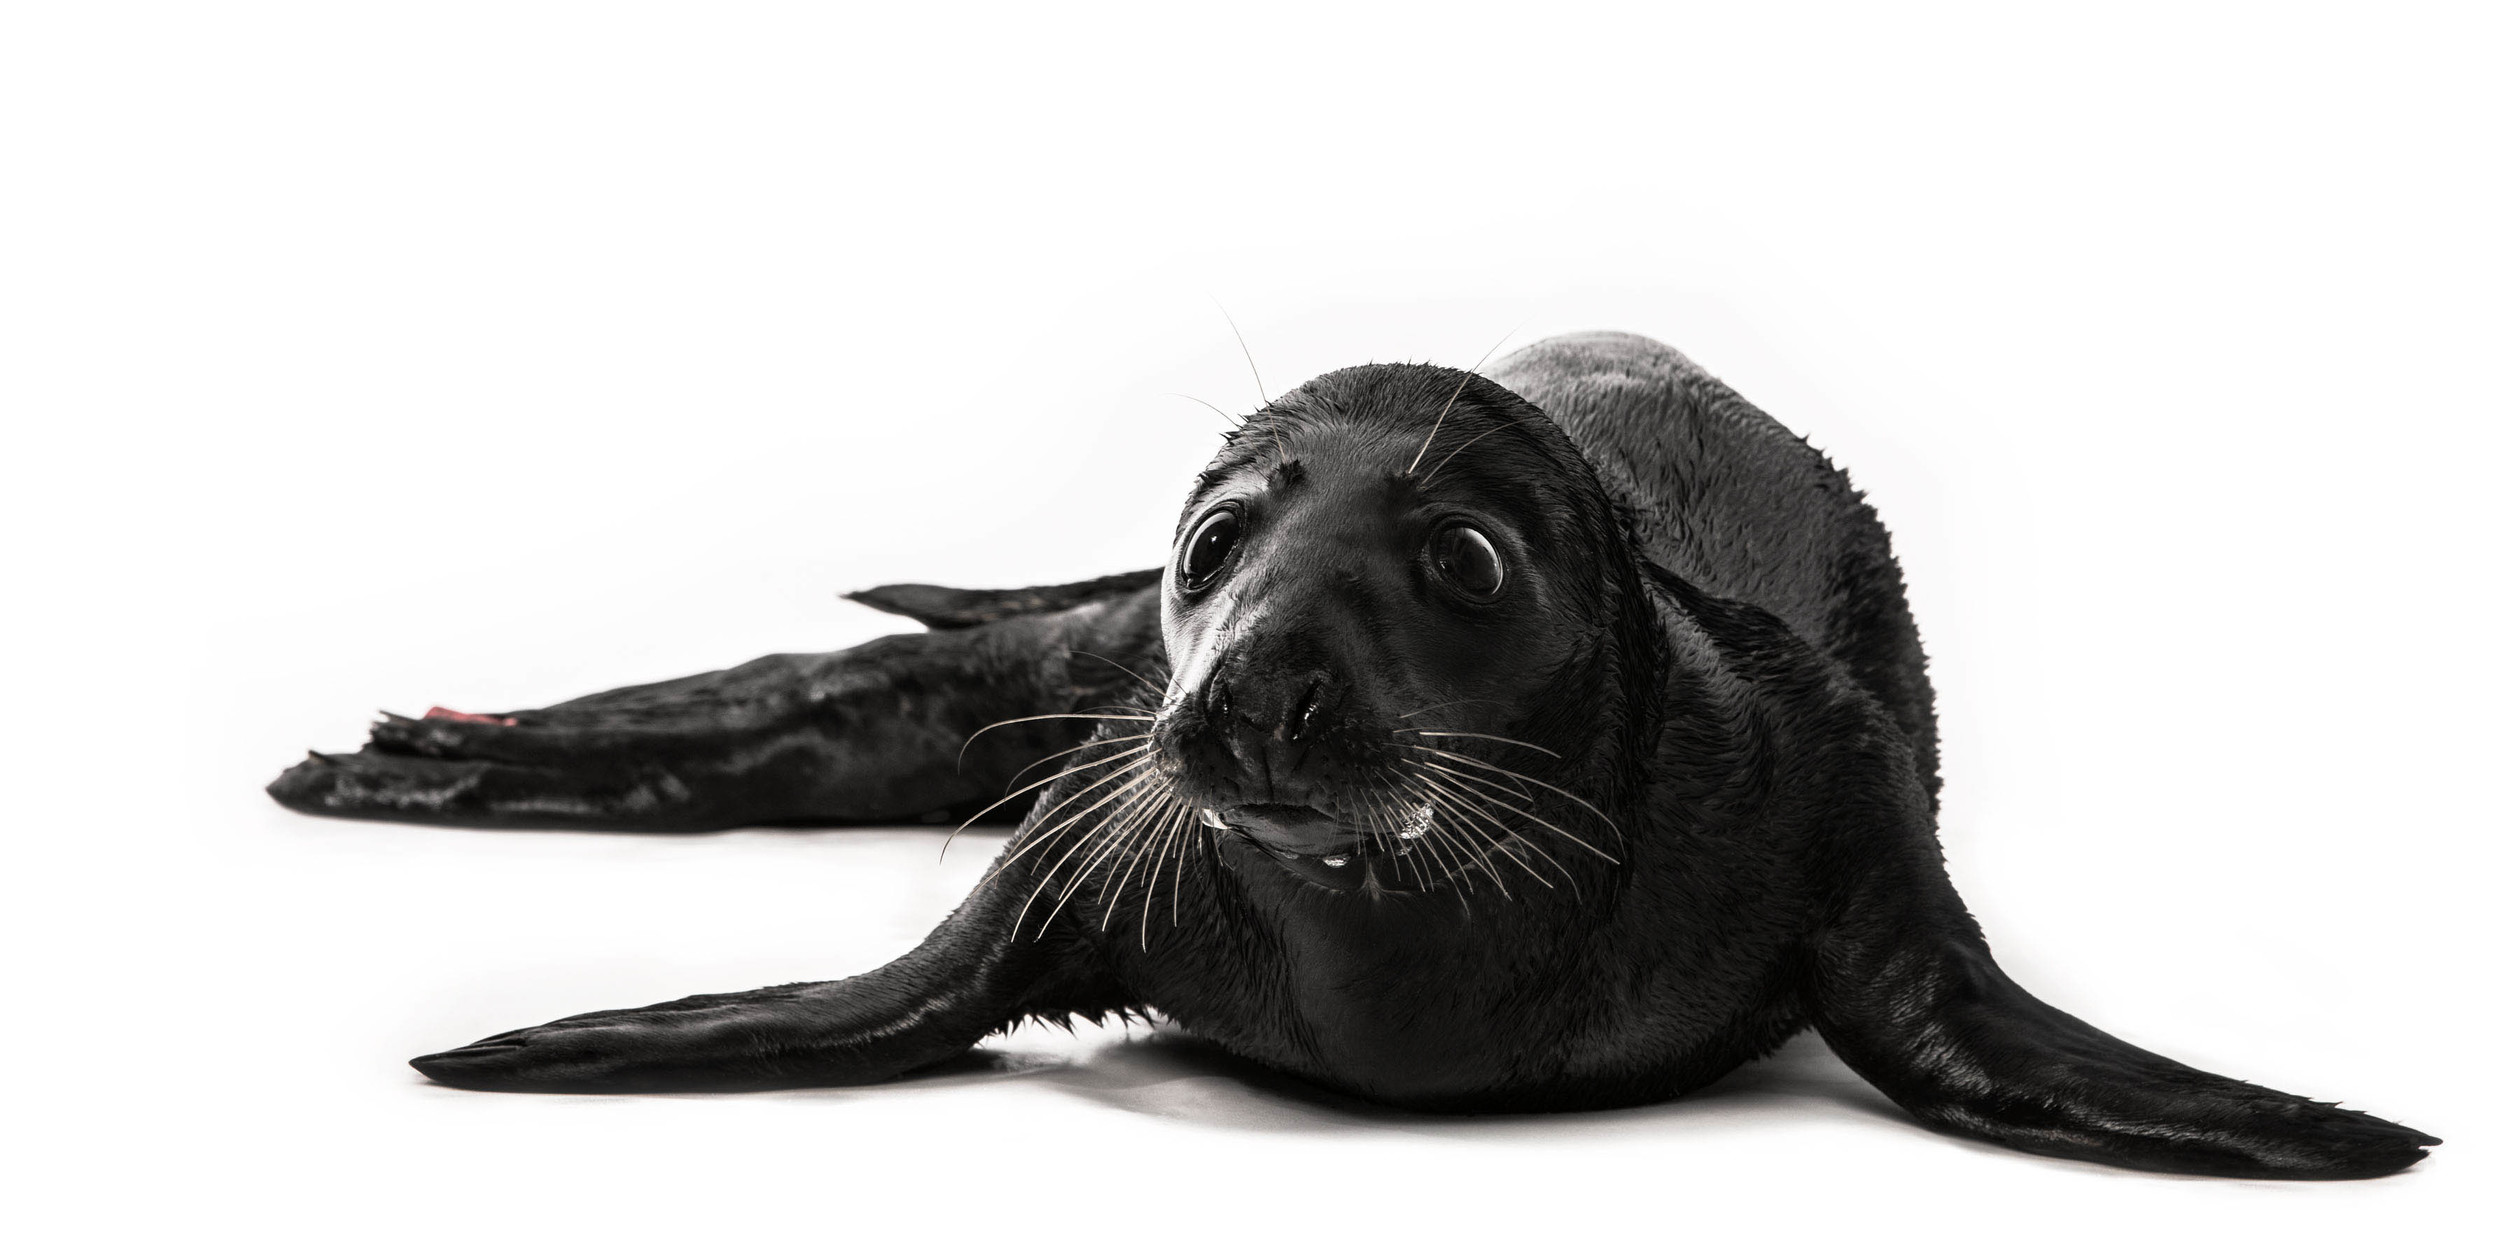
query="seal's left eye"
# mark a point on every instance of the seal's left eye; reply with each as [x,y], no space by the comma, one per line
[1466,559]
[1210,545]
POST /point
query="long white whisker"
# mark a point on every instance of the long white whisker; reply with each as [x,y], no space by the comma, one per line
[1426,480]
[1082,745]
[1492,824]
[1154,870]
[1136,717]
[1488,737]
[1245,351]
[1464,377]
[1468,802]
[1158,689]
[1602,816]
[1381,816]
[1219,410]
[1461,830]
[1438,705]
[1092,836]
[1113,757]
[1153,816]
[1443,852]
[1543,823]
[1108,835]
[1498,794]
[1480,838]
[1034,832]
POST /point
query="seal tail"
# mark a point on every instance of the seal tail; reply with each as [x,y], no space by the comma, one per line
[948,607]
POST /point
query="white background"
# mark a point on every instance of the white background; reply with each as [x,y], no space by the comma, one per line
[484,355]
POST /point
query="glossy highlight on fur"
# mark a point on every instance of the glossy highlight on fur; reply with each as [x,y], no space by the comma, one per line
[1551,737]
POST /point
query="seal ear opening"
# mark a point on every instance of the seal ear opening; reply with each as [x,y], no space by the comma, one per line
[949,607]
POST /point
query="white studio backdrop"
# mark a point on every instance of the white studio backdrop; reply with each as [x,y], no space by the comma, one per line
[485,355]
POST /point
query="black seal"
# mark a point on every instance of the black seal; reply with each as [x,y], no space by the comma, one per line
[1555,737]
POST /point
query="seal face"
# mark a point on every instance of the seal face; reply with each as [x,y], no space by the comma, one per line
[1366,597]
[1547,738]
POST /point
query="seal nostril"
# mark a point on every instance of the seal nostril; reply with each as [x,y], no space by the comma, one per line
[1302,722]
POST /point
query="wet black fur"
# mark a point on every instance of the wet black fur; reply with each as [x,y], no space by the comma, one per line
[1728,675]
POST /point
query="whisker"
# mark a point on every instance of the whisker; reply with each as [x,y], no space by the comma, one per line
[1144,767]
[1491,824]
[1199,843]
[1039,837]
[1274,436]
[1471,442]
[1112,834]
[1154,870]
[976,815]
[1548,826]
[1166,842]
[1496,785]
[1451,703]
[1602,816]
[1135,717]
[1478,841]
[1439,846]
[1463,379]
[1155,813]
[1461,831]
[1219,410]
[1082,745]
[1167,809]
[1452,848]
[1484,791]
[1399,851]
[1487,737]
[1245,350]
[1092,836]
[1158,689]
[1427,852]
[1375,817]
[1499,794]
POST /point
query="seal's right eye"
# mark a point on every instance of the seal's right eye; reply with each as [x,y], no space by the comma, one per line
[1209,547]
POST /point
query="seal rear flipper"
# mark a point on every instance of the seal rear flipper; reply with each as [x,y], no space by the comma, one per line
[1918,1007]
[969,978]
[878,733]
[948,607]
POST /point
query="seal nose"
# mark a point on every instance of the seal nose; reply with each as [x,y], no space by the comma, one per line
[1270,721]
[1287,709]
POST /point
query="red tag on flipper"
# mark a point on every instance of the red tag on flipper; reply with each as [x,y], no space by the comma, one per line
[464,717]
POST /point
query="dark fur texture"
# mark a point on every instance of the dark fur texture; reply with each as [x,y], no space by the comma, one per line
[1695,723]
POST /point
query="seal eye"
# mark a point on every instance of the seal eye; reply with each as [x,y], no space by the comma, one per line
[1210,546]
[1467,560]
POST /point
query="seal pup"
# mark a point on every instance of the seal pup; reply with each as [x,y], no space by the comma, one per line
[1555,737]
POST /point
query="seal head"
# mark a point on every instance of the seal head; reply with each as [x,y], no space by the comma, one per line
[1393,612]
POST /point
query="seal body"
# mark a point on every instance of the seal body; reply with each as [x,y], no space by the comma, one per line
[1727,499]
[1548,738]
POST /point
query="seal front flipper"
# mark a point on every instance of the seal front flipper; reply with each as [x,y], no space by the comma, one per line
[1908,995]
[971,977]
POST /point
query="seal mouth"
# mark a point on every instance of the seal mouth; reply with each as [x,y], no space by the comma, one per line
[1331,852]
